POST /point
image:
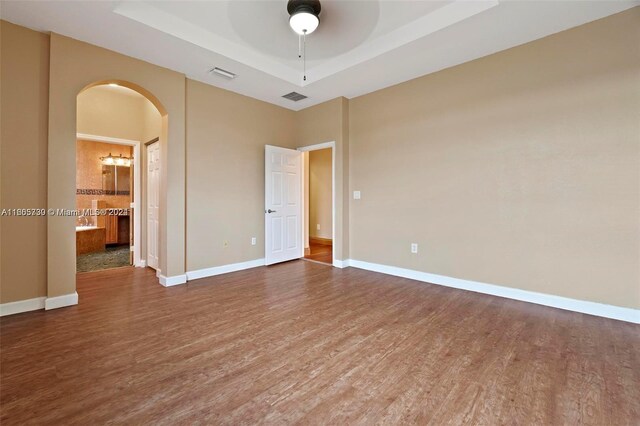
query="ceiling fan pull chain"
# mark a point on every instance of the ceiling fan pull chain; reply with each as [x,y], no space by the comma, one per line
[303,20]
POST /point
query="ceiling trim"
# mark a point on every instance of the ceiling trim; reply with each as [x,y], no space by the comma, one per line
[160,20]
[443,17]
[507,25]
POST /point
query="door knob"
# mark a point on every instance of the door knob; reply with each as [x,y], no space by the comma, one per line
[271,211]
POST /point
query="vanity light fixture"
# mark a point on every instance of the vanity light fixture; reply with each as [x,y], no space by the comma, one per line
[111,160]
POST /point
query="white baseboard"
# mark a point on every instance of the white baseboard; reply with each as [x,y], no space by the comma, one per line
[224,269]
[22,306]
[340,263]
[174,280]
[61,301]
[142,264]
[582,306]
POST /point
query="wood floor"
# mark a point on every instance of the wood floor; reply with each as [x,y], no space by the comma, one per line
[303,343]
[320,252]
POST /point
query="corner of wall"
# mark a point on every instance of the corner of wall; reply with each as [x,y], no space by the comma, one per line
[345,179]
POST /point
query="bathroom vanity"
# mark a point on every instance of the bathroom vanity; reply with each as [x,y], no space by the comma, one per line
[116,225]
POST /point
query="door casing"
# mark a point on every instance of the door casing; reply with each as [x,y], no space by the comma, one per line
[136,205]
[316,147]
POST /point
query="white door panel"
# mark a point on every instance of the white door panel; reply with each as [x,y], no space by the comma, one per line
[283,204]
[153,203]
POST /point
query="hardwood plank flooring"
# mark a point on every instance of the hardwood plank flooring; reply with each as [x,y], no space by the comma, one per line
[302,343]
[320,253]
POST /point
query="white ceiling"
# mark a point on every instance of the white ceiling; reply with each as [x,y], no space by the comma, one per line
[361,46]
[120,90]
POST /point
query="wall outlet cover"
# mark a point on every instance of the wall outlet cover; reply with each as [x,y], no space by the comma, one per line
[253,241]
[356,195]
[414,247]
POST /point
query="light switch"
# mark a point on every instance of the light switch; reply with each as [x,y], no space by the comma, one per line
[356,195]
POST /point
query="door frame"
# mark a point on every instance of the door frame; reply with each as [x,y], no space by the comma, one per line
[317,147]
[137,185]
[146,204]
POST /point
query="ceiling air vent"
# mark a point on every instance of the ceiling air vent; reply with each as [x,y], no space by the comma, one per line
[223,73]
[294,96]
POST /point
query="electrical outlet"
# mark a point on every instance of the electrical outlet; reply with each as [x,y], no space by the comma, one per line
[253,241]
[356,195]
[225,244]
[318,227]
[414,247]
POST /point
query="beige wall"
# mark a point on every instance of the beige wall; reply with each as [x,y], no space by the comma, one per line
[103,111]
[152,123]
[320,194]
[24,79]
[520,169]
[75,66]
[328,122]
[305,178]
[226,135]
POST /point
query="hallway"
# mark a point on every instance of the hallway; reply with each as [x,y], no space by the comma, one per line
[320,252]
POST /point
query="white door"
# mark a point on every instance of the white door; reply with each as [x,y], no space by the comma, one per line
[153,203]
[282,204]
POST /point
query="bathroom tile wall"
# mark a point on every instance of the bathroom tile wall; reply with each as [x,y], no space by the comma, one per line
[89,174]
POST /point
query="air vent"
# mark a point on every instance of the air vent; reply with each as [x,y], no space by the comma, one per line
[294,96]
[223,73]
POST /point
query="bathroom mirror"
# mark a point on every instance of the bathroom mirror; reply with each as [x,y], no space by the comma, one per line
[123,176]
[116,178]
[108,179]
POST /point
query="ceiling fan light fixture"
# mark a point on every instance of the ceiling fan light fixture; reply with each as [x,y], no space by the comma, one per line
[304,15]
[304,23]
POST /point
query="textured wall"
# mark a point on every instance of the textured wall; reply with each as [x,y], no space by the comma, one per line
[226,135]
[520,169]
[328,122]
[105,111]
[23,161]
[320,194]
[73,67]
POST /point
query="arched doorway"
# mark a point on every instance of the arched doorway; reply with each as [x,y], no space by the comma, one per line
[74,67]
[114,228]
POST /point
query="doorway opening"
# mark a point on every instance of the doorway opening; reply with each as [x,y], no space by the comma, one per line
[104,190]
[111,122]
[319,202]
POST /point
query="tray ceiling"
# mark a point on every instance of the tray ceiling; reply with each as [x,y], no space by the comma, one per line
[359,47]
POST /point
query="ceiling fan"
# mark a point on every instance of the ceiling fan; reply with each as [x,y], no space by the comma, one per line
[304,18]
